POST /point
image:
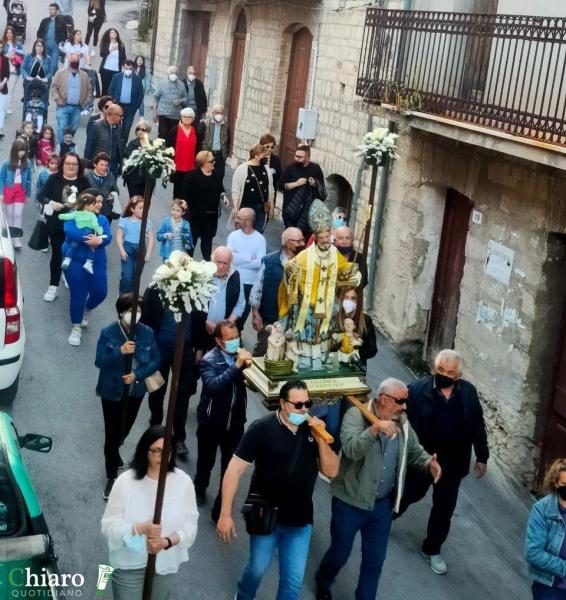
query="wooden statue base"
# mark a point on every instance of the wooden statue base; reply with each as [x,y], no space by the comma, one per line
[324,385]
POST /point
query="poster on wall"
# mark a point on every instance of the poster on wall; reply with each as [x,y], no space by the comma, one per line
[499,262]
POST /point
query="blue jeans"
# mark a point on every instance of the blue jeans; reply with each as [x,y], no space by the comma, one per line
[67,116]
[53,52]
[293,545]
[346,521]
[86,290]
[128,268]
[545,592]
[129,114]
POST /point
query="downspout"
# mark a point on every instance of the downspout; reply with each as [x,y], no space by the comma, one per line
[314,67]
[155,15]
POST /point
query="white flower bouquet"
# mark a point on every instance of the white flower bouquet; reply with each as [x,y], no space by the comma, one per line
[377,145]
[184,284]
[153,159]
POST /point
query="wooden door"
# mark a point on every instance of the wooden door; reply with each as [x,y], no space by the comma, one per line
[198,32]
[449,271]
[297,83]
[236,70]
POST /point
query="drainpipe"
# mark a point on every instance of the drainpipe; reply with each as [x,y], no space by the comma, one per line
[155,15]
[358,183]
[314,66]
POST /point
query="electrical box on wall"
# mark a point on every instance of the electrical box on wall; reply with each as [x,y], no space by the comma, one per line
[306,124]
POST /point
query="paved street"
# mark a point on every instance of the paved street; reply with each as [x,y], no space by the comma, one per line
[56,398]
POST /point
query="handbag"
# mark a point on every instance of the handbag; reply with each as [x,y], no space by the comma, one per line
[154,382]
[39,239]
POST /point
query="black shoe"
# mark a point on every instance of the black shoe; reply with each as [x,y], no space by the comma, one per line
[181,449]
[108,488]
[201,498]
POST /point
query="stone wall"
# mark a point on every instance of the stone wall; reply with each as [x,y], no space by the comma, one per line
[508,335]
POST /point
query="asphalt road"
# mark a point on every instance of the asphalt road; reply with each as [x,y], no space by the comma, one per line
[56,398]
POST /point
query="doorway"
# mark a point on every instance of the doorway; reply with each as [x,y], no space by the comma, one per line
[236,69]
[195,35]
[449,272]
[297,83]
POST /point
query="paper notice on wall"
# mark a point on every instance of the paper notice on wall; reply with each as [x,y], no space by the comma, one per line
[499,262]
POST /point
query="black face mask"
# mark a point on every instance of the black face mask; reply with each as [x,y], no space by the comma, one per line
[442,381]
[561,491]
[300,165]
[263,161]
[345,250]
[74,64]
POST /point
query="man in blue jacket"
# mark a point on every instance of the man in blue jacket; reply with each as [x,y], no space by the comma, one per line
[127,89]
[221,412]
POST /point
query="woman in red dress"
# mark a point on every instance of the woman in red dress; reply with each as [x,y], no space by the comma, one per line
[185,139]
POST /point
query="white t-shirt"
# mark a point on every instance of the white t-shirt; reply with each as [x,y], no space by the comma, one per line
[133,501]
[81,49]
[248,251]
[112,62]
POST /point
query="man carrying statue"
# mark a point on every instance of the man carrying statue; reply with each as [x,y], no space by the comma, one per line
[307,296]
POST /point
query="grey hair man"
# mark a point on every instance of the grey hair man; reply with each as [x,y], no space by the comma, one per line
[169,98]
[196,95]
[446,414]
[344,241]
[264,295]
[369,486]
[216,138]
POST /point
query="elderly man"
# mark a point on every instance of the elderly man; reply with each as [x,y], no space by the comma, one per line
[196,96]
[369,486]
[446,414]
[72,91]
[344,241]
[216,139]
[168,100]
[264,296]
[105,136]
[249,248]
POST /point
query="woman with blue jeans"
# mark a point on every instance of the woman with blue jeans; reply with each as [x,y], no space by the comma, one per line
[545,542]
[87,290]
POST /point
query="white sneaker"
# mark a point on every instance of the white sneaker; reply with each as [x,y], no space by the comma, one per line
[45,250]
[85,112]
[86,318]
[65,280]
[9,111]
[93,52]
[17,243]
[436,562]
[50,294]
[75,337]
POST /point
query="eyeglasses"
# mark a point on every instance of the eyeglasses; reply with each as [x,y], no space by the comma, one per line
[156,451]
[71,164]
[211,162]
[300,405]
[119,115]
[398,401]
[301,241]
[269,146]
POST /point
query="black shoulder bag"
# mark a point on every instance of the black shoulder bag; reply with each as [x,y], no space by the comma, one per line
[260,513]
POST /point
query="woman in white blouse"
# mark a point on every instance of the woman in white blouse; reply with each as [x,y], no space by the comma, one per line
[127,522]
[77,46]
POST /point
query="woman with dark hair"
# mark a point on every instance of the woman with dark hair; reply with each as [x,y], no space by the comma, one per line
[37,67]
[4,76]
[113,54]
[75,45]
[127,522]
[545,542]
[96,17]
[273,163]
[112,349]
[55,195]
[14,50]
[143,72]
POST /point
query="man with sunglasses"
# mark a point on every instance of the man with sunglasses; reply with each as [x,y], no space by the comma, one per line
[369,486]
[287,458]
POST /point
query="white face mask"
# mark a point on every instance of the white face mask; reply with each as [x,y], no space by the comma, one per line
[218,118]
[127,73]
[127,317]
[191,77]
[349,306]
[172,77]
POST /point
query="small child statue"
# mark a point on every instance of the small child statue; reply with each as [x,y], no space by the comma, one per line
[293,350]
[349,342]
[275,342]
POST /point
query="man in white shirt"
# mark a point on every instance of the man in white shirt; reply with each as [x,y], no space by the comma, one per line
[248,247]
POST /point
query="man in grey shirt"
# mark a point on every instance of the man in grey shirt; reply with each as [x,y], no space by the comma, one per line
[196,96]
[168,101]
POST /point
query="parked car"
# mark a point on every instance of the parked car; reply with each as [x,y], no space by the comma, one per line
[12,332]
[25,542]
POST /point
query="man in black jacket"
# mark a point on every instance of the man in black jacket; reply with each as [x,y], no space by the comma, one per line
[106,136]
[446,414]
[196,96]
[53,31]
[221,412]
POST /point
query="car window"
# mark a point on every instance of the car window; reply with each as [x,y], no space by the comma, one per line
[10,522]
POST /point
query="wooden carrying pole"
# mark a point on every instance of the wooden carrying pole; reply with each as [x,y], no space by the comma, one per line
[167,446]
[370,209]
[363,409]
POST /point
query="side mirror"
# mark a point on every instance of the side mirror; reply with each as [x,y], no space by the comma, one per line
[36,442]
[16,232]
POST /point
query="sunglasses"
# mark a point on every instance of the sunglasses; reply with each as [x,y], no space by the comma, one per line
[211,162]
[141,129]
[398,401]
[300,405]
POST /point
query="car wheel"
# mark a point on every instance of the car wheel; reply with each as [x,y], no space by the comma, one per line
[8,394]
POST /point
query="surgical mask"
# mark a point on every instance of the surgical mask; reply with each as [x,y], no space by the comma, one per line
[172,77]
[218,118]
[338,222]
[191,77]
[74,64]
[345,250]
[127,317]
[561,491]
[127,73]
[232,346]
[297,418]
[442,381]
[349,306]
[135,543]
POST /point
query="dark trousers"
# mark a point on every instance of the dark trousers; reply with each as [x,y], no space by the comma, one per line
[138,189]
[444,498]
[209,438]
[204,227]
[177,179]
[165,124]
[56,240]
[93,27]
[241,321]
[182,404]
[219,164]
[113,414]
[105,79]
[129,114]
[545,592]
[374,526]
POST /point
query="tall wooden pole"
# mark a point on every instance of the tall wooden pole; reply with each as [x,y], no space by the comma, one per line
[370,209]
[167,445]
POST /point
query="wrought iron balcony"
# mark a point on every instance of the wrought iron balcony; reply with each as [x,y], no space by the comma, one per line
[504,72]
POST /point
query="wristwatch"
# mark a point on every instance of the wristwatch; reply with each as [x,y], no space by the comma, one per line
[169,542]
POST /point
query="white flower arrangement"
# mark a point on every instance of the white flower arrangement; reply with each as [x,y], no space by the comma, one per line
[378,144]
[153,160]
[184,284]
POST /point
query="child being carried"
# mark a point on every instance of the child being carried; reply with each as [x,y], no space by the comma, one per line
[84,219]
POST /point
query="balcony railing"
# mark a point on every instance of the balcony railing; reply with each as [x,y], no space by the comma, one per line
[505,72]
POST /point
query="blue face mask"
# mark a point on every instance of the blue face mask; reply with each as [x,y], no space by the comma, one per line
[232,346]
[297,418]
[338,223]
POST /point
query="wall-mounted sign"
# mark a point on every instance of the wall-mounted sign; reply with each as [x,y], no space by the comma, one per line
[476,217]
[499,262]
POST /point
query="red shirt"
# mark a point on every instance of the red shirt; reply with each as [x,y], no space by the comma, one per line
[185,149]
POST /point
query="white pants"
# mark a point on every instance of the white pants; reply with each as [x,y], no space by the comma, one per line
[2,109]
[12,85]
[14,214]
